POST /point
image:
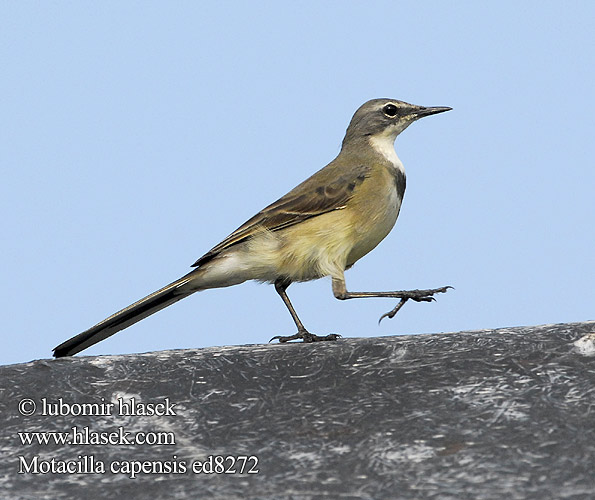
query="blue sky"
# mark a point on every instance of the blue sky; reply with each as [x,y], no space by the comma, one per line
[136,135]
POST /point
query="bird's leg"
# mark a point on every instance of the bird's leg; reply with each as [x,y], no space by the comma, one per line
[341,293]
[281,285]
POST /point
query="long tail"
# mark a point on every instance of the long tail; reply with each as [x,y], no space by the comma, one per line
[128,316]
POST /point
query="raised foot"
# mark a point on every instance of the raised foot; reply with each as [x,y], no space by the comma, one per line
[417,296]
[424,295]
[306,336]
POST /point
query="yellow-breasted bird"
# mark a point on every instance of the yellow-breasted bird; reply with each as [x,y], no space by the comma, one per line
[320,228]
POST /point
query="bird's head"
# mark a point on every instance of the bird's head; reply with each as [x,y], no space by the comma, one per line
[385,119]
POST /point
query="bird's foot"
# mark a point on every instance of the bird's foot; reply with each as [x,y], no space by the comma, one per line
[306,336]
[425,295]
[417,296]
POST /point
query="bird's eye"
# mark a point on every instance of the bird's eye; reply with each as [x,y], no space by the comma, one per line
[390,110]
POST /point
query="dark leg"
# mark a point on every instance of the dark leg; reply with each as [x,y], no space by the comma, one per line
[340,292]
[302,333]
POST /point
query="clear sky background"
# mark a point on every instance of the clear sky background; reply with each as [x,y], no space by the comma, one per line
[136,135]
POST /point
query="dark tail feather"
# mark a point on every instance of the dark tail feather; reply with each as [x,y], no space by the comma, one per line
[122,319]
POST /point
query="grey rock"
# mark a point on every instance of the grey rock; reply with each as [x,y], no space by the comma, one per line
[492,414]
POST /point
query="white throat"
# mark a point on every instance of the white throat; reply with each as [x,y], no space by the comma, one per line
[385,146]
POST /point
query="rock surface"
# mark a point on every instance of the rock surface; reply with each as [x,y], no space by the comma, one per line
[491,414]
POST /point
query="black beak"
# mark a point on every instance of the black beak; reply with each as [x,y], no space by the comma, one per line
[422,111]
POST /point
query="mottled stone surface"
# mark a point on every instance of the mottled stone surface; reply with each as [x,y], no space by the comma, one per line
[492,414]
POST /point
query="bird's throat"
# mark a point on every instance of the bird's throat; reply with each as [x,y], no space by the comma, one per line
[385,146]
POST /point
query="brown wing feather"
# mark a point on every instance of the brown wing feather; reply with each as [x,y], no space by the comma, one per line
[311,198]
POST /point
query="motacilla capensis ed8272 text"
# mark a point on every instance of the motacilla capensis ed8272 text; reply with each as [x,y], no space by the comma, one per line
[320,228]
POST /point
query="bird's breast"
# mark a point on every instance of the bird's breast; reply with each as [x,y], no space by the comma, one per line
[376,210]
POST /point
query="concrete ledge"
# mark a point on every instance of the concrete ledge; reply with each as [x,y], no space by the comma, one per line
[506,413]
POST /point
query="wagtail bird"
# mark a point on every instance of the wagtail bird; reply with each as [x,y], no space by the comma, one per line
[320,228]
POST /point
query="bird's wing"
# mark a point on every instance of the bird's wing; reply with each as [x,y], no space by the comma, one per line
[311,198]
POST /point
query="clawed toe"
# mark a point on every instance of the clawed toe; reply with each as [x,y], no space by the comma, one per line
[306,337]
[390,314]
[423,299]
[282,339]
[417,296]
[426,295]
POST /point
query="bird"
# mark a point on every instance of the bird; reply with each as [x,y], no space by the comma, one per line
[318,229]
